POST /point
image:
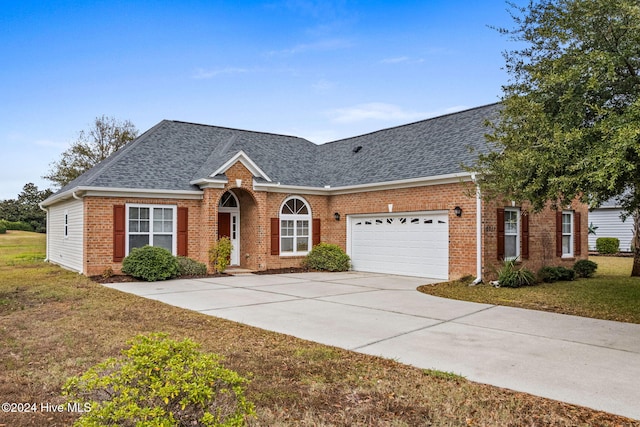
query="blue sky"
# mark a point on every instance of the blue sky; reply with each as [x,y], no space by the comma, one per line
[322,70]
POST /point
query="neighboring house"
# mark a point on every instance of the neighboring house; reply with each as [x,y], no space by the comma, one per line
[609,223]
[397,200]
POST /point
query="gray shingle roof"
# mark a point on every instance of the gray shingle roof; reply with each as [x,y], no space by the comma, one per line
[172,154]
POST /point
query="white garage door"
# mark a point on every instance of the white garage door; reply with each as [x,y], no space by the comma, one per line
[413,244]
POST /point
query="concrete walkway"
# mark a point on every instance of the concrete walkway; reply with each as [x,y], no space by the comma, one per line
[593,363]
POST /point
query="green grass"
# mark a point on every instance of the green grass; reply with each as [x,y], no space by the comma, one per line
[55,324]
[611,294]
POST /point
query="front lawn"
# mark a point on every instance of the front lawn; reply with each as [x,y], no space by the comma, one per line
[55,323]
[611,294]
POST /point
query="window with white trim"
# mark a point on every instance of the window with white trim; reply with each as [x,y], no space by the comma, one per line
[511,233]
[151,225]
[567,233]
[295,227]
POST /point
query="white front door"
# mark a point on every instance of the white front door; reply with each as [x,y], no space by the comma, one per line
[235,238]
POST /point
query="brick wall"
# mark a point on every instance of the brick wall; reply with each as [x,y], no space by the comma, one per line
[542,240]
[257,208]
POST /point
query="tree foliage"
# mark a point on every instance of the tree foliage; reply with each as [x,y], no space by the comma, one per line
[105,136]
[570,123]
[25,208]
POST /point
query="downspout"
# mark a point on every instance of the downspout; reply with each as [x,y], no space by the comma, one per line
[478,278]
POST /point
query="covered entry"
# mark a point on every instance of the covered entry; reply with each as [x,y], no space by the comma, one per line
[410,243]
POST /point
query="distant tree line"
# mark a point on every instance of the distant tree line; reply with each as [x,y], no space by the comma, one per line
[24,211]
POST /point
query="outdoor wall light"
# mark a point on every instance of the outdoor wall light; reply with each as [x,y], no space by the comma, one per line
[337,216]
[457,210]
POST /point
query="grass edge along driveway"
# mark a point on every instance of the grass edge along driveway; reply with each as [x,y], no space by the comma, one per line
[610,295]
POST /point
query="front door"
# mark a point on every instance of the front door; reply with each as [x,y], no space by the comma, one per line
[228,226]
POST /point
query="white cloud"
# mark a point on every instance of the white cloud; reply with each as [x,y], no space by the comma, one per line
[380,111]
[202,74]
[323,85]
[402,60]
[51,144]
[323,45]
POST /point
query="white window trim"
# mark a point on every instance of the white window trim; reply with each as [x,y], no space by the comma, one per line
[66,224]
[295,218]
[518,233]
[571,232]
[174,233]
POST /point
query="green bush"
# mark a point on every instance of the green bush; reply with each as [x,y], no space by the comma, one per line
[3,229]
[555,274]
[160,382]
[565,273]
[150,263]
[608,245]
[511,277]
[191,267]
[327,257]
[585,268]
[220,254]
[548,274]
[16,225]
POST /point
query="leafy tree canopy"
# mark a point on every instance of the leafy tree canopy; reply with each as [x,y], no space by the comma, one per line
[570,126]
[570,123]
[105,136]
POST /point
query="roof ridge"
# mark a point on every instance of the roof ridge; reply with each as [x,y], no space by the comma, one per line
[240,130]
[413,123]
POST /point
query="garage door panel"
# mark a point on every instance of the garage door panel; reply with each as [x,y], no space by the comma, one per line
[412,244]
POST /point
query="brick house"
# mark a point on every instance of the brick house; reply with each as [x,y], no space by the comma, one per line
[397,200]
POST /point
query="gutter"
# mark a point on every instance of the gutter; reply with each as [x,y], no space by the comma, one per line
[478,278]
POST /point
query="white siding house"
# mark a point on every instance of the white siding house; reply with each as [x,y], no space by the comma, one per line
[609,223]
[65,234]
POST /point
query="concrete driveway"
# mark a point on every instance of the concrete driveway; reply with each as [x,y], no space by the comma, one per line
[593,363]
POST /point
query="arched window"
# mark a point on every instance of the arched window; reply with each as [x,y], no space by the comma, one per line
[228,200]
[295,227]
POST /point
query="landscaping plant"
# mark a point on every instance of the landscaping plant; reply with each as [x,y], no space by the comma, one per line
[191,267]
[160,382]
[327,257]
[608,245]
[585,268]
[150,263]
[220,254]
[511,277]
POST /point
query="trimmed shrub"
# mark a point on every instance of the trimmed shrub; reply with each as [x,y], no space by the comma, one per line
[191,267]
[150,263]
[555,274]
[220,254]
[511,277]
[565,273]
[585,268]
[3,229]
[548,274]
[327,257]
[608,245]
[160,382]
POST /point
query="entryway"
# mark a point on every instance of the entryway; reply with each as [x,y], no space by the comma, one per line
[229,223]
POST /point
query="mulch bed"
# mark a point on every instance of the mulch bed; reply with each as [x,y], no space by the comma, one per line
[122,278]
